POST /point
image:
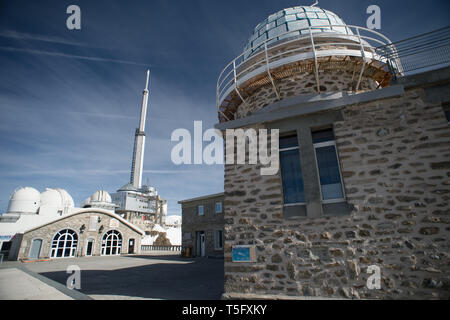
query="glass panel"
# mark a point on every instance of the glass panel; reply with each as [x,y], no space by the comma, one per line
[447,115]
[288,142]
[323,136]
[330,179]
[291,174]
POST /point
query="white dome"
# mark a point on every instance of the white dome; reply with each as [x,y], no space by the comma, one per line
[173,220]
[67,201]
[25,200]
[294,22]
[51,198]
[101,196]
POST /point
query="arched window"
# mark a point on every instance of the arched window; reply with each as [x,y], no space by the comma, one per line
[111,243]
[64,244]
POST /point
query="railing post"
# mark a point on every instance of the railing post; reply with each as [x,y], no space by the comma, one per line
[363,55]
[268,72]
[316,67]
[235,83]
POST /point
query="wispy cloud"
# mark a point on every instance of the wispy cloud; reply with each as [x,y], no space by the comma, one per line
[72,56]
[39,37]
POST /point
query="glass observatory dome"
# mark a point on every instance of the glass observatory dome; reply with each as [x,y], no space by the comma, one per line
[304,40]
[293,22]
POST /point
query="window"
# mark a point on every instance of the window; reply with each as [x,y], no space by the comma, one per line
[111,243]
[291,171]
[218,207]
[64,244]
[328,166]
[200,210]
[218,239]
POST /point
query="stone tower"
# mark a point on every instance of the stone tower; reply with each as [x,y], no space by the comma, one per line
[358,184]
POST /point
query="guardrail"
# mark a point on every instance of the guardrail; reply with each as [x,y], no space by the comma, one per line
[160,248]
[421,53]
[308,43]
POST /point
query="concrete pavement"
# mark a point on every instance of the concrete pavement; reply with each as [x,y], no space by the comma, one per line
[167,277]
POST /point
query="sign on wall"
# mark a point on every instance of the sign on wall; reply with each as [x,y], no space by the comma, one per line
[245,253]
[93,223]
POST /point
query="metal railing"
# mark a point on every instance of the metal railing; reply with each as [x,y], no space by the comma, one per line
[160,248]
[421,53]
[308,43]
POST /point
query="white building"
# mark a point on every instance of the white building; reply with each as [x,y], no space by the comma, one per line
[48,225]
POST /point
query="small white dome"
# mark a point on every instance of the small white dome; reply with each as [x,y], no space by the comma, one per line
[51,198]
[173,220]
[67,201]
[101,196]
[25,200]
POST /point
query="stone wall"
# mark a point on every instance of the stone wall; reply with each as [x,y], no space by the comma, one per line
[74,222]
[208,222]
[395,162]
[330,81]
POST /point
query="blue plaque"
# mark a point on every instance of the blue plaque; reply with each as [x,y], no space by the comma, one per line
[244,253]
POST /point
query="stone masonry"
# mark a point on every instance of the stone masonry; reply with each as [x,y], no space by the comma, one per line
[394,156]
[74,222]
[208,223]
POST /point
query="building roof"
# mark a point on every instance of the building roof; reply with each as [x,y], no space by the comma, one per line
[202,198]
[296,21]
[33,222]
[128,187]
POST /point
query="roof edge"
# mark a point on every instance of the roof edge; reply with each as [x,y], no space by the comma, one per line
[87,210]
[202,198]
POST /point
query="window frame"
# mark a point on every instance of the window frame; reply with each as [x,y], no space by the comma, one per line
[221,207]
[330,143]
[299,157]
[216,238]
[202,211]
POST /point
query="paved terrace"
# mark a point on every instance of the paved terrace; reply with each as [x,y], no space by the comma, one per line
[150,277]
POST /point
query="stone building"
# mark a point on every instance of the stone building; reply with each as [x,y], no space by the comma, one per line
[203,223]
[48,225]
[85,232]
[364,166]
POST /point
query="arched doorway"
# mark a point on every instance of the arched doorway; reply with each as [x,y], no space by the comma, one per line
[111,243]
[64,244]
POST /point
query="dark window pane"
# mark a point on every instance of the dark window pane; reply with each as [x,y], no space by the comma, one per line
[323,136]
[291,174]
[330,179]
[447,115]
[288,142]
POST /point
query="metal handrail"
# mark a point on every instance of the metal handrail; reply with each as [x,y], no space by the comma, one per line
[237,68]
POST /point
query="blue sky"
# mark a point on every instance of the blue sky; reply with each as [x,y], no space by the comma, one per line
[70,100]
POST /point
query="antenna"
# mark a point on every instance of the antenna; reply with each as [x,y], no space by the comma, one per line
[315,3]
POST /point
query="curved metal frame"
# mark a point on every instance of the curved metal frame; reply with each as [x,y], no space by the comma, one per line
[242,68]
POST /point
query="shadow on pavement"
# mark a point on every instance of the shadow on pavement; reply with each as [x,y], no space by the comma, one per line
[198,279]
